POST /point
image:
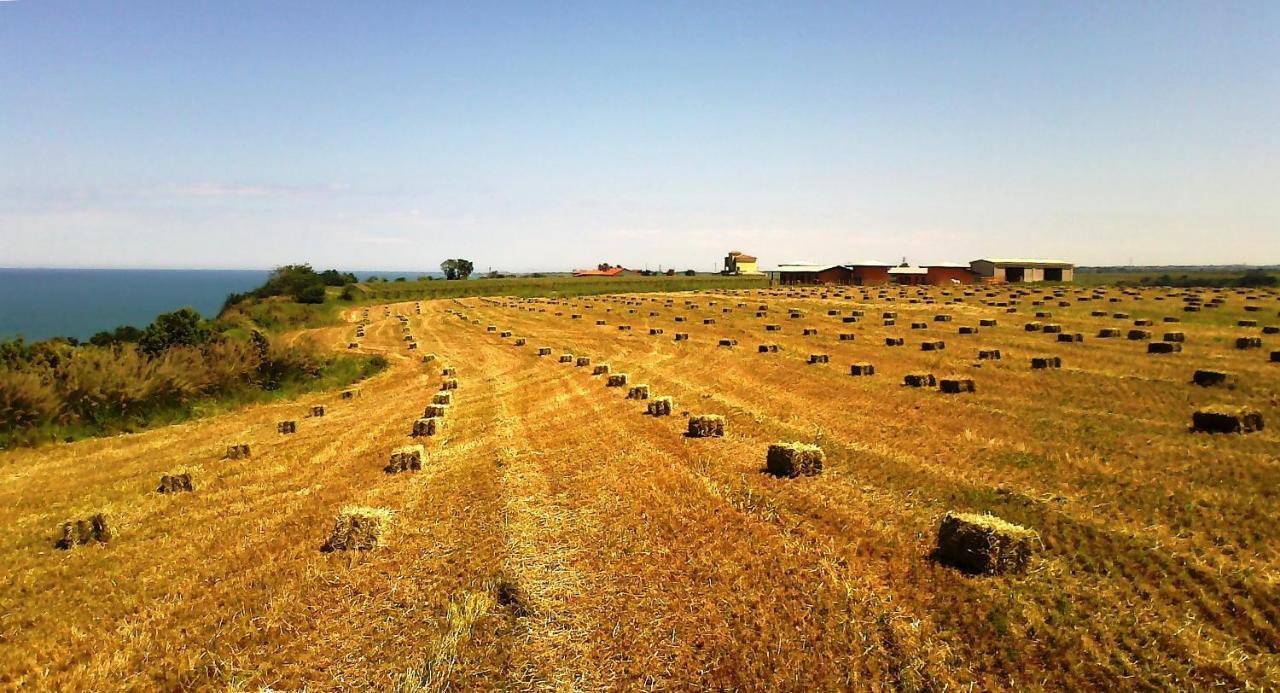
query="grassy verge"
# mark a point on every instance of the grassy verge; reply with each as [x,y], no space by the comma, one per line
[338,372]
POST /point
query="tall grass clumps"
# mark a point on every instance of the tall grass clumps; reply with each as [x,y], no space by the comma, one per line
[984,544]
[358,528]
[1225,419]
[53,390]
[706,426]
[95,529]
[792,460]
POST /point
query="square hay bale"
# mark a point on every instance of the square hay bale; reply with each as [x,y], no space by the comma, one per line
[988,354]
[358,528]
[655,331]
[412,346]
[987,322]
[624,328]
[317,410]
[984,544]
[894,341]
[709,321]
[638,392]
[566,358]
[582,361]
[888,315]
[792,460]
[660,406]
[773,328]
[862,369]
[809,332]
[728,343]
[449,384]
[520,341]
[427,427]
[616,380]
[1175,337]
[1108,333]
[175,483]
[93,529]
[1224,419]
[600,369]
[848,319]
[1138,335]
[889,323]
[350,394]
[504,334]
[448,372]
[601,322]
[238,451]
[1070,337]
[954,385]
[442,398]
[1246,323]
[1032,327]
[286,427]
[919,380]
[706,426]
[353,345]
[406,458]
[1210,378]
[933,345]
[968,329]
[1275,357]
[819,358]
[847,336]
[544,351]
[682,336]
[1142,322]
[491,328]
[1248,342]
[942,317]
[428,358]
[768,348]
[1046,362]
[1163,347]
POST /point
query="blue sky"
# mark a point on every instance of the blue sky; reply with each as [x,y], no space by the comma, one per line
[554,135]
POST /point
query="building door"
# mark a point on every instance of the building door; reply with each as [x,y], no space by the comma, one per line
[1014,274]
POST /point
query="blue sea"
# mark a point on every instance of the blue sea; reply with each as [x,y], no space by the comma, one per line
[44,303]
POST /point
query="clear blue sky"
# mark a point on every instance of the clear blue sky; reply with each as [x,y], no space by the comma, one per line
[553,135]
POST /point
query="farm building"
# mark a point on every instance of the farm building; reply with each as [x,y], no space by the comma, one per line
[600,272]
[908,275]
[1000,270]
[737,262]
[857,273]
[945,273]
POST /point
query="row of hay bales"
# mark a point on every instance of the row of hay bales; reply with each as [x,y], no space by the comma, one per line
[973,543]
[1219,418]
[96,528]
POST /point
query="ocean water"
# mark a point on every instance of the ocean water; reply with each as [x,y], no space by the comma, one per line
[44,303]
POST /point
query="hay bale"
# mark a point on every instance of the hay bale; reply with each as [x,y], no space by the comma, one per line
[442,398]
[638,392]
[93,529]
[768,348]
[448,372]
[955,385]
[706,426]
[582,361]
[894,341]
[1175,337]
[544,351]
[655,331]
[819,358]
[1163,347]
[1246,323]
[1248,342]
[286,427]
[1275,357]
[616,380]
[728,343]
[984,544]
[427,426]
[353,345]
[406,458]
[682,336]
[491,328]
[709,321]
[862,369]
[520,341]
[317,410]
[1223,419]
[1046,362]
[349,394]
[1138,335]
[428,358]
[792,460]
[988,354]
[968,329]
[566,358]
[600,369]
[237,452]
[919,380]
[847,336]
[358,529]
[449,384]
[1210,378]
[809,332]
[773,328]
[1108,333]
[660,406]
[412,346]
[987,322]
[175,483]
[889,323]
[436,411]
[1032,327]
[933,345]
[505,333]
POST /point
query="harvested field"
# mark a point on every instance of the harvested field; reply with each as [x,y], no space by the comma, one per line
[559,539]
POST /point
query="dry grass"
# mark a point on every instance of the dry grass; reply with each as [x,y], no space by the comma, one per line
[559,540]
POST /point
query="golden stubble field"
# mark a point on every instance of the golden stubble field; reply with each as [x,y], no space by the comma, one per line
[558,537]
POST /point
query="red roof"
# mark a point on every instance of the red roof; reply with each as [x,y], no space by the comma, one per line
[613,272]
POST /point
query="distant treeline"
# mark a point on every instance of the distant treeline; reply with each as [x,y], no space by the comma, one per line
[300,283]
[1250,279]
